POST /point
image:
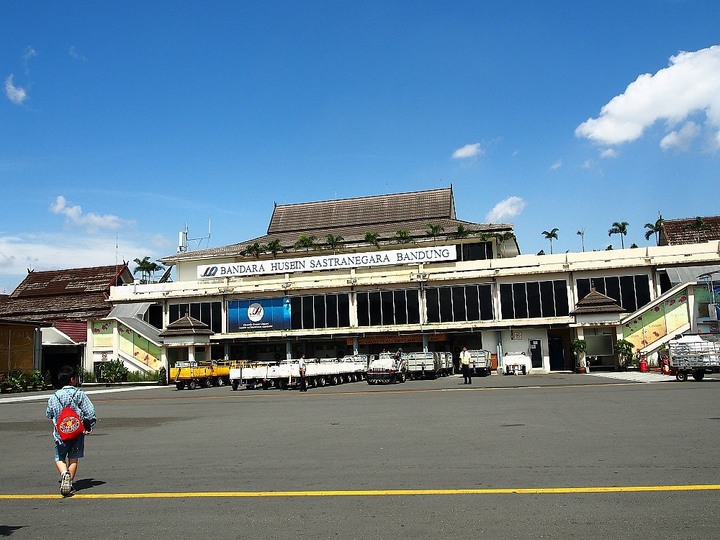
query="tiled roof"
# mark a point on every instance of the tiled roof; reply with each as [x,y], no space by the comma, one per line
[361,212]
[690,230]
[595,302]
[186,326]
[71,294]
[352,219]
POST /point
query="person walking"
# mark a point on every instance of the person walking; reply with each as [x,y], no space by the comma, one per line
[465,365]
[67,453]
[302,367]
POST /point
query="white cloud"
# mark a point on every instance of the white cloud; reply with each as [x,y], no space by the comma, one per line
[689,85]
[555,166]
[75,54]
[468,151]
[58,251]
[15,94]
[608,153]
[681,139]
[91,221]
[505,209]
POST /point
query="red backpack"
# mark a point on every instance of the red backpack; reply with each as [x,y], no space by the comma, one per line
[69,425]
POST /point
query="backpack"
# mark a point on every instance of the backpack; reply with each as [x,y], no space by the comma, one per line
[69,425]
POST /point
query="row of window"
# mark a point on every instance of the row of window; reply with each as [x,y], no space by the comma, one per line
[443,304]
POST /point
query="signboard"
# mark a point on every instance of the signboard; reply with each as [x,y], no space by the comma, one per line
[328,262]
[265,314]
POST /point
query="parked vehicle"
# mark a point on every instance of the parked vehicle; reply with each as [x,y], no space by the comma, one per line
[286,374]
[480,362]
[387,369]
[515,363]
[194,375]
[692,355]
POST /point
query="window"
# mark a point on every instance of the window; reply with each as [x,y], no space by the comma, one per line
[319,311]
[208,312]
[534,299]
[383,308]
[459,304]
[630,292]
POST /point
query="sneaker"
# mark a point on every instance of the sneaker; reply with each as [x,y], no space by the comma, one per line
[65,484]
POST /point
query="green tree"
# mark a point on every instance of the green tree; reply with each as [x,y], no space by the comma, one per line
[147,268]
[254,250]
[551,235]
[403,236]
[434,230]
[698,226]
[654,228]
[306,242]
[501,238]
[461,234]
[275,247]
[621,228]
[372,238]
[334,242]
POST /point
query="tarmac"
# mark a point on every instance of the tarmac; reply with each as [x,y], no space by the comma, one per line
[558,455]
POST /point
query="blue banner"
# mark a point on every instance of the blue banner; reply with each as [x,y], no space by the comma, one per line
[265,314]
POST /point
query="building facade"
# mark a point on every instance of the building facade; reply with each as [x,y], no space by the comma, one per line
[361,275]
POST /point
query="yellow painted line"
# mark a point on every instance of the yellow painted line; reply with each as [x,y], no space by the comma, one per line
[375,492]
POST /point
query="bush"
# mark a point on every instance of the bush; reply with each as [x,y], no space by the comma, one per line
[114,371]
[87,376]
[16,381]
[142,376]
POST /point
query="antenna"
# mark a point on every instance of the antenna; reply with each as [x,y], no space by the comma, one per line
[183,238]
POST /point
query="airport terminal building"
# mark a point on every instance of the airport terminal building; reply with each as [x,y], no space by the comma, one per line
[356,276]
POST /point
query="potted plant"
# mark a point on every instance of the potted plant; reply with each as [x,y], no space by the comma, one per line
[579,346]
[623,350]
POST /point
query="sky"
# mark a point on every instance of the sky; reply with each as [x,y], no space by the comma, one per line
[123,123]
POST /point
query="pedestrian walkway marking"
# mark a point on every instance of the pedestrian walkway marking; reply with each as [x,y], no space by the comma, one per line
[634,376]
[375,492]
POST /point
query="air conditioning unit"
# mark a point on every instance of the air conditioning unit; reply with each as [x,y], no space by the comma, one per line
[713,312]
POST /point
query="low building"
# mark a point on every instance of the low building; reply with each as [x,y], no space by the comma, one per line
[364,274]
[64,303]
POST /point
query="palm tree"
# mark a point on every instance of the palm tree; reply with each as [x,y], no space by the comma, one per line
[147,268]
[461,233]
[334,242]
[403,236]
[434,230]
[486,239]
[581,234]
[275,247]
[254,250]
[698,225]
[654,228]
[619,227]
[551,235]
[306,242]
[501,238]
[372,238]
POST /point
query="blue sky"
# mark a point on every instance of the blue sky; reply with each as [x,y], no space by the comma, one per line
[124,121]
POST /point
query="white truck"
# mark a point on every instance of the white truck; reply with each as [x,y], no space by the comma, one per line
[515,363]
[422,365]
[387,368]
[286,374]
[692,355]
[480,362]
